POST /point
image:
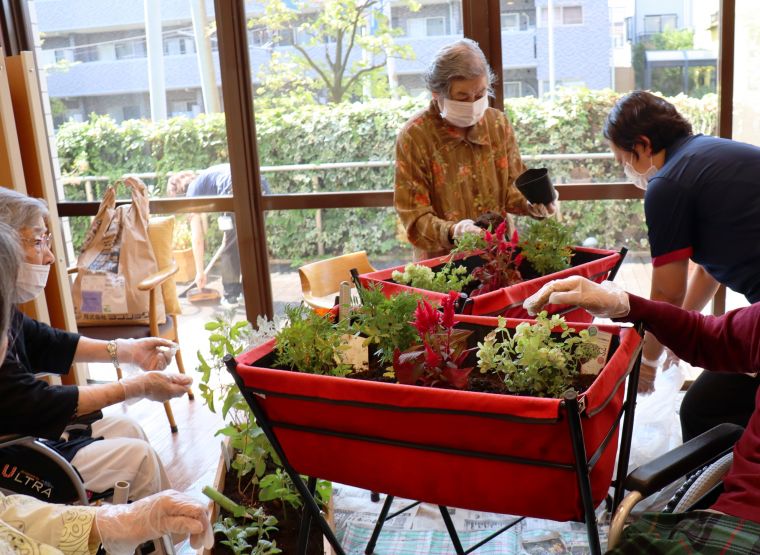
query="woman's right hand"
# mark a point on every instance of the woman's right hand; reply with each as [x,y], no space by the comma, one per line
[605,300]
[122,528]
[464,226]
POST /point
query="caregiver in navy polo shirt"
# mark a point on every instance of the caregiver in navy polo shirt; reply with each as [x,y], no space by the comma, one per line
[702,203]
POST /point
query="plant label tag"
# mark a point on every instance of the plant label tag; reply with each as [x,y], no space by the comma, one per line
[601,339]
[354,352]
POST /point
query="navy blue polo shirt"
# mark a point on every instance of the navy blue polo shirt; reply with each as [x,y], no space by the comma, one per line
[704,204]
[214,181]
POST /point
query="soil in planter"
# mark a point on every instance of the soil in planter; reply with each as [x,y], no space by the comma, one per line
[288,522]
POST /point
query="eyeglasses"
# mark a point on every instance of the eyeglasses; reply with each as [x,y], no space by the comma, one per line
[39,243]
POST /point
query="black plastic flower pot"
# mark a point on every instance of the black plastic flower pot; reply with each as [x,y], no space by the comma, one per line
[536,186]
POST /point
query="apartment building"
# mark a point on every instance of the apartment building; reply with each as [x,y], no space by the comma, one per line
[96,54]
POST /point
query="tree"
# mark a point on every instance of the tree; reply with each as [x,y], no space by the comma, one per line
[337,46]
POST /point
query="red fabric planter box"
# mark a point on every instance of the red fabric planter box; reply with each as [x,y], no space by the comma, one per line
[594,264]
[455,448]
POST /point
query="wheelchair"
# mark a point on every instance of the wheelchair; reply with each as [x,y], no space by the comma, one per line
[704,460]
[30,467]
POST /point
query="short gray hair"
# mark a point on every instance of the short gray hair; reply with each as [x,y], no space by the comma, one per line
[10,259]
[462,59]
[19,211]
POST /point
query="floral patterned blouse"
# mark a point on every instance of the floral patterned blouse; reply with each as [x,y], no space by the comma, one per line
[29,526]
[443,177]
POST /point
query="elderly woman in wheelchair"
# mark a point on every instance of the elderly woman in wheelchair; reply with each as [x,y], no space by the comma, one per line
[102,449]
[729,343]
[28,525]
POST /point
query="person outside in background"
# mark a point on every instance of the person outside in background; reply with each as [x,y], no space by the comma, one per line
[214,181]
[725,344]
[458,158]
[702,203]
[28,525]
[112,448]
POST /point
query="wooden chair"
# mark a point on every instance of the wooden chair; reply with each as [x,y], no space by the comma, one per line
[320,280]
[160,231]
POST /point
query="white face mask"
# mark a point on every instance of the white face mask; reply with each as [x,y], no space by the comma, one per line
[639,179]
[463,114]
[31,281]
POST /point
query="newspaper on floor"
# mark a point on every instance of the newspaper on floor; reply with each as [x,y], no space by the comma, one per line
[419,530]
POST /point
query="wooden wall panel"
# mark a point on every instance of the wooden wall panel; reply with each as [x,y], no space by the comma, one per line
[11,167]
[40,182]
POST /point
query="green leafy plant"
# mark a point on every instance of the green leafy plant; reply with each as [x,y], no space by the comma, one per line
[439,359]
[247,440]
[279,486]
[385,322]
[310,343]
[250,538]
[533,360]
[547,245]
[247,531]
[448,278]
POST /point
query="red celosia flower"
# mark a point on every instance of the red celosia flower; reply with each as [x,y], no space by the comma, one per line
[447,321]
[501,230]
[426,318]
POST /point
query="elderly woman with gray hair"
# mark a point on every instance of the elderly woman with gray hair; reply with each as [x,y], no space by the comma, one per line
[28,525]
[110,448]
[458,158]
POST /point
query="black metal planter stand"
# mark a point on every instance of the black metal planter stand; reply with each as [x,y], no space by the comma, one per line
[582,467]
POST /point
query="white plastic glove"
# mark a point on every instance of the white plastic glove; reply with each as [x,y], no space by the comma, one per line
[543,210]
[150,353]
[156,386]
[465,226]
[122,528]
[605,301]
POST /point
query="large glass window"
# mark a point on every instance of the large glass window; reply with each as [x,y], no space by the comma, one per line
[327,119]
[137,93]
[570,73]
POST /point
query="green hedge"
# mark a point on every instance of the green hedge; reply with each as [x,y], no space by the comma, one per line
[354,133]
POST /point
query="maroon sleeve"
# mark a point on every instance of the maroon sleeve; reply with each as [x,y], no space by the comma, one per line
[728,343]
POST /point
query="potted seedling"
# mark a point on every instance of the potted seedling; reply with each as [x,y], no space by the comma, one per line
[256,507]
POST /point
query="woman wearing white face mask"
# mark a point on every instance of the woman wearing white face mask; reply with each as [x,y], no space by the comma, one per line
[702,203]
[32,407]
[28,525]
[458,158]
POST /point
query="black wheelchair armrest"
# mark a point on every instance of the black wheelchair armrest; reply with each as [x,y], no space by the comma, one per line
[87,419]
[692,455]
